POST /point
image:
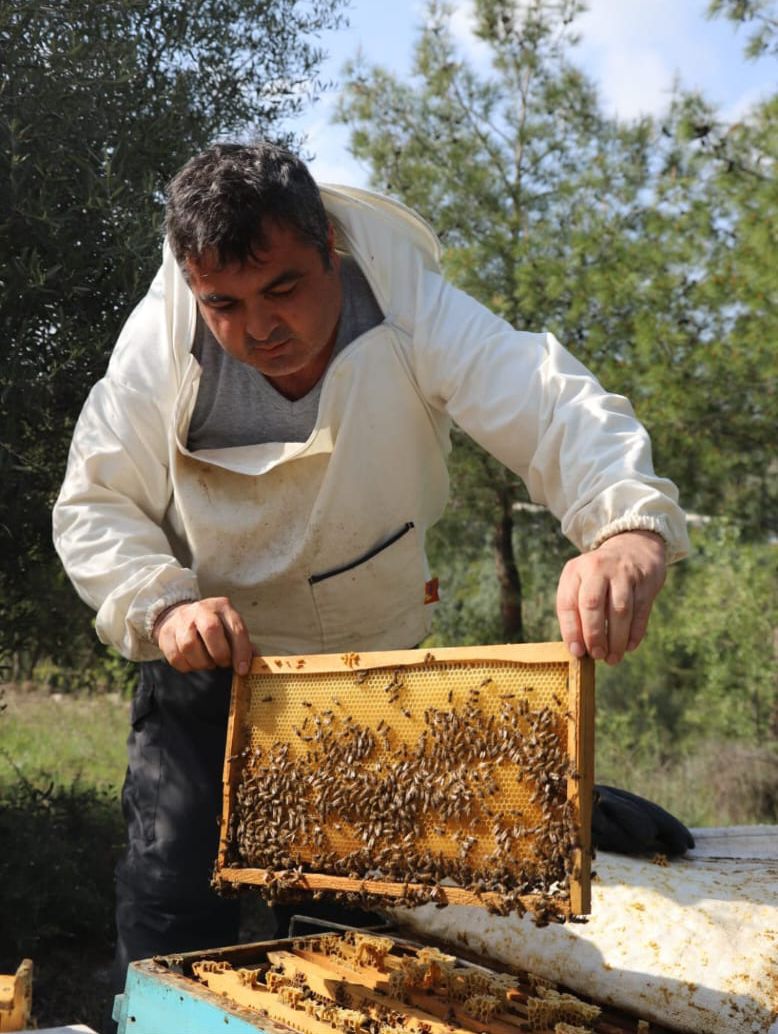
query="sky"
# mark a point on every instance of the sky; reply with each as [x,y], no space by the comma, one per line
[633,49]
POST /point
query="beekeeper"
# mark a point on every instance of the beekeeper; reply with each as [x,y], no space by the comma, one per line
[258,468]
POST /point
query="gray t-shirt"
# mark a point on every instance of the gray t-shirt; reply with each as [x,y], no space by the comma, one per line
[237,405]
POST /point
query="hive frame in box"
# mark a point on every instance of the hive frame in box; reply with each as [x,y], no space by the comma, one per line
[274,673]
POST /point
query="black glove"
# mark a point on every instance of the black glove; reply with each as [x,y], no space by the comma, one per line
[628,824]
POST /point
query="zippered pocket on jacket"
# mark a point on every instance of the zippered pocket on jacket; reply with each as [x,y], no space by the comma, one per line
[314,579]
[376,602]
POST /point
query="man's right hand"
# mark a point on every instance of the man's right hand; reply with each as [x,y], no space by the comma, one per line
[204,634]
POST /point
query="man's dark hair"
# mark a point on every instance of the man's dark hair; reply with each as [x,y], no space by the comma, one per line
[219,201]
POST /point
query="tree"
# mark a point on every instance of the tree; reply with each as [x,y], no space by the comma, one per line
[713,410]
[617,237]
[100,103]
[761,15]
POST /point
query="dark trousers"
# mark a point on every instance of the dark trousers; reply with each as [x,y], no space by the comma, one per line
[171,800]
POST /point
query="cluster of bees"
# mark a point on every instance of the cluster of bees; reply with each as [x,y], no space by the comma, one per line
[360,801]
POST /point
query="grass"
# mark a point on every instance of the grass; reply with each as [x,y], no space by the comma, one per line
[62,761]
[60,846]
[62,739]
[716,784]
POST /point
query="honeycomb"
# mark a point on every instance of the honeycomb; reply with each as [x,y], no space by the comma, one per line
[356,983]
[443,769]
[564,1009]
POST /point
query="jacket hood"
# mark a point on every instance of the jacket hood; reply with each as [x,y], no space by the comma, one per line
[382,215]
[391,243]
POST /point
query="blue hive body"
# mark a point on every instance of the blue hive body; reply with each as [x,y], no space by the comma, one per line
[159,1001]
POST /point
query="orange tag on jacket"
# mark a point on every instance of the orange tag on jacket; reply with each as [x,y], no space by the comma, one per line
[431,594]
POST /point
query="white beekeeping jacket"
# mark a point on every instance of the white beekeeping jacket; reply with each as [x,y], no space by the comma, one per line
[320,544]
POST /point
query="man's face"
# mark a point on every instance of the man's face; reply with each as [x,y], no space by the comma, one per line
[278,313]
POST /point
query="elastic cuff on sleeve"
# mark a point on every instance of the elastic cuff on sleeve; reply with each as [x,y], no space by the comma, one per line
[638,522]
[168,600]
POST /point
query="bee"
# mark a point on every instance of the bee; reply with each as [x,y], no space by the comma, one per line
[267,699]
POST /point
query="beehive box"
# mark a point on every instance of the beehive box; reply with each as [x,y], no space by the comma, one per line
[353,983]
[460,776]
[16,997]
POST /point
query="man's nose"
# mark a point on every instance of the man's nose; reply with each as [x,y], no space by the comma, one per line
[260,322]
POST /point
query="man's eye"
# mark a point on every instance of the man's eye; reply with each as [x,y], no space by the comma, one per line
[282,291]
[221,306]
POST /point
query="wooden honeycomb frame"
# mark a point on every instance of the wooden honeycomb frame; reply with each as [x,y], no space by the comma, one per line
[277,699]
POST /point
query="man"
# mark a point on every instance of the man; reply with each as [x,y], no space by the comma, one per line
[257,470]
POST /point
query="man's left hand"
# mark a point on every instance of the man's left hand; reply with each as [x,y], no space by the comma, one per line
[605,597]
